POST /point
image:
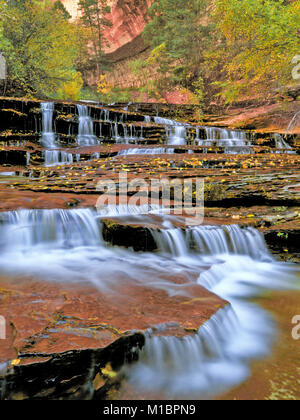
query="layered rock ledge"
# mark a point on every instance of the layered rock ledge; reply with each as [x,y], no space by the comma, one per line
[69,341]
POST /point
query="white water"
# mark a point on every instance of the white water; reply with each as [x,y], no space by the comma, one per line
[86,135]
[144,151]
[232,141]
[175,131]
[234,263]
[57,157]
[218,357]
[128,210]
[48,135]
[212,240]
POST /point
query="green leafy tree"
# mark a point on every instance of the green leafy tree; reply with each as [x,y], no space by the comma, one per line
[40,46]
[260,38]
[180,33]
[94,19]
[60,8]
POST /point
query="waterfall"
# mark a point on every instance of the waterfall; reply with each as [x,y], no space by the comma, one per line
[234,263]
[212,240]
[48,135]
[57,157]
[165,121]
[233,141]
[86,135]
[128,210]
[115,129]
[143,151]
[236,266]
[106,115]
[177,135]
[23,229]
[219,355]
[175,131]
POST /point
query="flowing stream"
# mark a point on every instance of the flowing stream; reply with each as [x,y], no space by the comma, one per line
[86,135]
[232,262]
[176,134]
[48,135]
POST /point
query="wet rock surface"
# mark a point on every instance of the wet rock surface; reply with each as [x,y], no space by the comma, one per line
[70,341]
[60,336]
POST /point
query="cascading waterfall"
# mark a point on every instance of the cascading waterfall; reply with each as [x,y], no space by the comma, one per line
[177,135]
[48,135]
[86,135]
[232,141]
[128,210]
[143,151]
[57,157]
[234,263]
[106,115]
[218,357]
[51,157]
[175,131]
[23,229]
[211,240]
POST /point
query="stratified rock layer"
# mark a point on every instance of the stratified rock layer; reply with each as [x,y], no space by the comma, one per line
[60,336]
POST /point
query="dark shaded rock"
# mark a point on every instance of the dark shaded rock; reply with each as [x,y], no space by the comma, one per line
[136,237]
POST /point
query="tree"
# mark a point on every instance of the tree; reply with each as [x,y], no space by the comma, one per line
[94,19]
[40,46]
[260,40]
[60,8]
[180,33]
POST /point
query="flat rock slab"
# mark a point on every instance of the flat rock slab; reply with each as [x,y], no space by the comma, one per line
[47,322]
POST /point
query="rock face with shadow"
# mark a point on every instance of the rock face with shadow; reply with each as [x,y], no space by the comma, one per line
[71,341]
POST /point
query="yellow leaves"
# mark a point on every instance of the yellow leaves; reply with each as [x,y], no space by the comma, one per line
[108,371]
[103,86]
[15,362]
[71,89]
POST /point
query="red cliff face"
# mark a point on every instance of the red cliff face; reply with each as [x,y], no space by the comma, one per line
[128,18]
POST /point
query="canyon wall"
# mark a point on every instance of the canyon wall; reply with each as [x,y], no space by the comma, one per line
[128,18]
[127,46]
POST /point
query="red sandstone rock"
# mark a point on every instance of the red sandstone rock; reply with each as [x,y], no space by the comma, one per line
[48,318]
[128,18]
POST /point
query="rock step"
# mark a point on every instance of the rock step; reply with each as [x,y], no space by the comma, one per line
[139,237]
[83,336]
